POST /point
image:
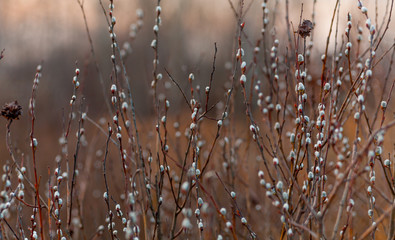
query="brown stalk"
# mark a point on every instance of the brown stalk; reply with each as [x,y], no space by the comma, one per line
[33,142]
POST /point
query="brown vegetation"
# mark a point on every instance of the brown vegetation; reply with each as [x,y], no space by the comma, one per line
[288,141]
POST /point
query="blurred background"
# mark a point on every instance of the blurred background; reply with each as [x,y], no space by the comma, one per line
[52,33]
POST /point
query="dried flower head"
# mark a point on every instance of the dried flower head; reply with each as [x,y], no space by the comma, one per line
[305,28]
[11,110]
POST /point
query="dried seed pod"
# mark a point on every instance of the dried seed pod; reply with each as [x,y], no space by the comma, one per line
[11,110]
[305,28]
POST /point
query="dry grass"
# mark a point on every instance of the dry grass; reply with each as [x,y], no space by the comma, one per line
[288,141]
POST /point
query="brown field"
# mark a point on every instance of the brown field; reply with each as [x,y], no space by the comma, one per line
[195,119]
